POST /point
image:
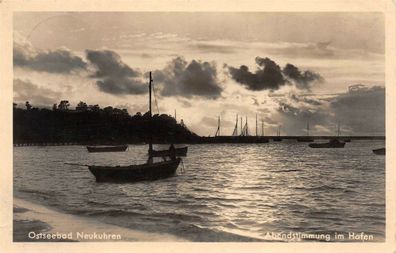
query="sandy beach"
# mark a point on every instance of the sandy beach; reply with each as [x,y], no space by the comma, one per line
[34,222]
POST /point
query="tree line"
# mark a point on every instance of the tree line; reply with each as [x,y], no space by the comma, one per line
[90,124]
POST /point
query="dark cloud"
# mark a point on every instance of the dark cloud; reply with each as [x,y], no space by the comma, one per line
[114,76]
[25,90]
[267,77]
[180,78]
[360,111]
[60,61]
[303,80]
[294,118]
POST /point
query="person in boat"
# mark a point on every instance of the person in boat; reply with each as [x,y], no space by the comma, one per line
[172,152]
[150,156]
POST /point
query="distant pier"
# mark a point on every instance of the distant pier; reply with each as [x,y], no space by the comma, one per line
[214,140]
[265,139]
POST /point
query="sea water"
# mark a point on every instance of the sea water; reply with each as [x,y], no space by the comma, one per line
[277,191]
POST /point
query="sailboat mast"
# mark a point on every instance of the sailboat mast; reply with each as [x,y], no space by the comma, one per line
[256,125]
[150,94]
[235,132]
[219,127]
[338,130]
[241,127]
[308,128]
[236,125]
[151,142]
[262,127]
[246,125]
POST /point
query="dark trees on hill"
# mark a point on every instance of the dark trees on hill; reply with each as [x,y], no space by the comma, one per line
[92,125]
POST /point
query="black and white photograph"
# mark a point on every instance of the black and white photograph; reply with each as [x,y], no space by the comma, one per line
[199,126]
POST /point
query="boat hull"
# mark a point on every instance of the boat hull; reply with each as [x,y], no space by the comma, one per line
[160,153]
[133,173]
[380,151]
[96,149]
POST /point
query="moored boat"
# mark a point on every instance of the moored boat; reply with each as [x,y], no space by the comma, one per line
[117,148]
[167,152]
[334,143]
[379,151]
[133,173]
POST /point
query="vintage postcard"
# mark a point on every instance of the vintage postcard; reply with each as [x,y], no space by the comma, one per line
[197,125]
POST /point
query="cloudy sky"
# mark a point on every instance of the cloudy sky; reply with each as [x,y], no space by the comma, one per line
[288,68]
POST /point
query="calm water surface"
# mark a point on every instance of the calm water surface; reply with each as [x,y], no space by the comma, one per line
[228,192]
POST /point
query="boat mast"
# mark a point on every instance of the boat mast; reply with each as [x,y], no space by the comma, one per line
[308,128]
[235,132]
[151,141]
[241,127]
[338,130]
[247,131]
[262,127]
[256,125]
[218,127]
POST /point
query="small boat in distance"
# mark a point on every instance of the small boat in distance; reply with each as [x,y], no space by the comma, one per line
[379,151]
[167,152]
[333,143]
[117,148]
[307,138]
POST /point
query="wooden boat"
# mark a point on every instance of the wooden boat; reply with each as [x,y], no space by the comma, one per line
[132,173]
[167,152]
[379,151]
[117,148]
[334,143]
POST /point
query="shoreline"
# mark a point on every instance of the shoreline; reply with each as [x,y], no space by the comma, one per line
[33,222]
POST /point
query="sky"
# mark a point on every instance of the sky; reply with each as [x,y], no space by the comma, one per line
[288,68]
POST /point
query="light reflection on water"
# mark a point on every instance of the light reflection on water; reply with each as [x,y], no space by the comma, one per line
[243,189]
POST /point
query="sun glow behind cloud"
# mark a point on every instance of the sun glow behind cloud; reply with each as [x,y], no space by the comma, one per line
[141,47]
